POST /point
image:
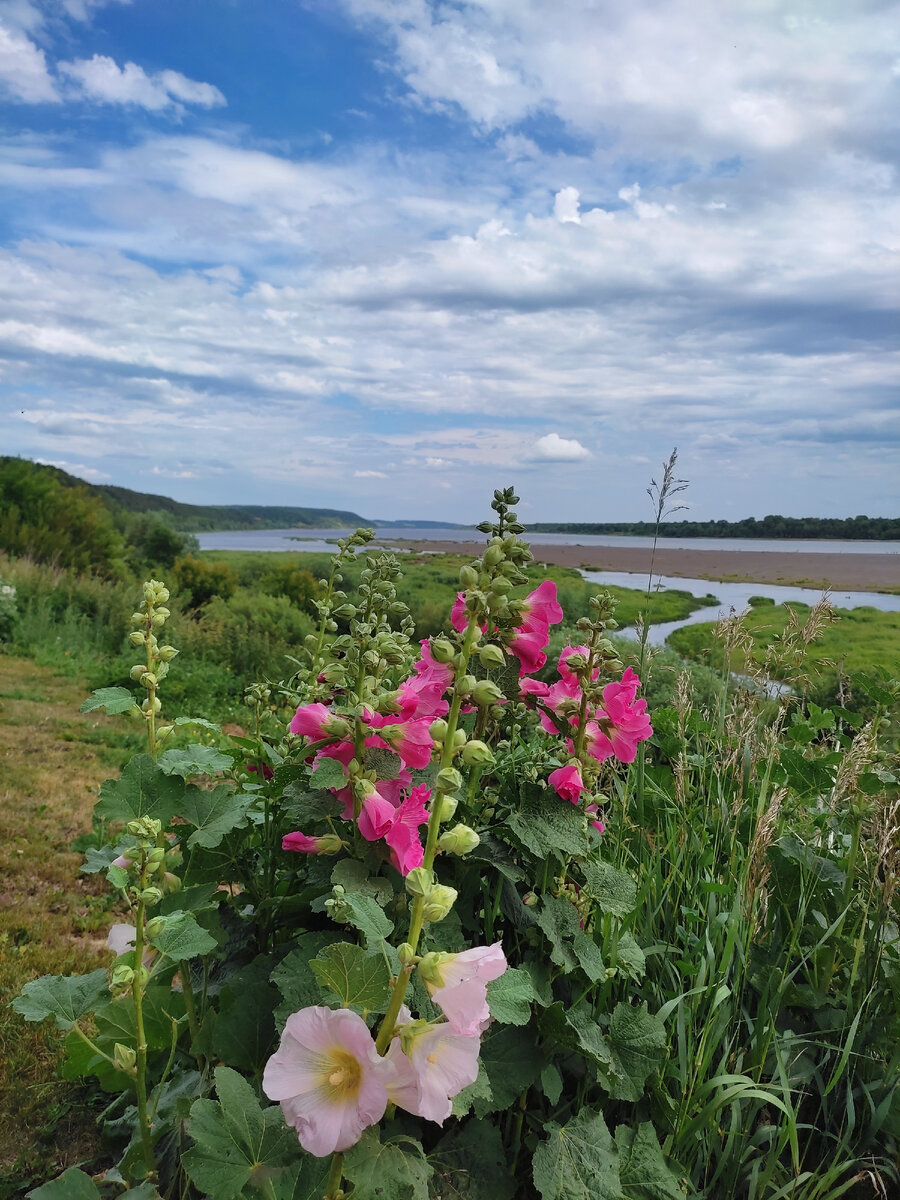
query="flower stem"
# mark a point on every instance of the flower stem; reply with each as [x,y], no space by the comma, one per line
[137,992]
[335,1175]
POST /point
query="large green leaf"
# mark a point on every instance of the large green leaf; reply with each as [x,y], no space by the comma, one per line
[393,1170]
[194,760]
[328,774]
[547,825]
[242,1034]
[294,977]
[367,915]
[578,1161]
[183,938]
[612,890]
[142,790]
[236,1143]
[356,979]
[470,1164]
[512,1062]
[111,699]
[63,997]
[644,1172]
[71,1185]
[638,1041]
[213,814]
[510,997]
[560,922]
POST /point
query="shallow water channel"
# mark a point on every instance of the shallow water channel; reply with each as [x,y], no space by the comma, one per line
[732,598]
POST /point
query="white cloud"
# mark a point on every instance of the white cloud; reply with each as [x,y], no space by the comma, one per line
[554,448]
[369,475]
[23,69]
[566,205]
[100,78]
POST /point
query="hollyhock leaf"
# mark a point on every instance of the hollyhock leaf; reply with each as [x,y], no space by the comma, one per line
[63,997]
[552,1083]
[303,1180]
[97,860]
[71,1185]
[353,876]
[578,1161]
[477,1095]
[142,790]
[294,977]
[213,814]
[470,1164]
[589,957]
[302,809]
[512,1062]
[117,877]
[613,891]
[194,760]
[644,1172]
[200,722]
[510,996]
[242,1035]
[630,958]
[638,1041]
[496,853]
[328,774]
[191,899]
[111,699]
[394,1170]
[358,980]
[225,863]
[385,763]
[235,1141]
[546,825]
[183,938]
[559,920]
[584,1032]
[365,914]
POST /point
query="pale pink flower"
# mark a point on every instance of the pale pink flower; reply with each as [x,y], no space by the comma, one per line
[435,1067]
[309,721]
[120,938]
[567,783]
[328,1077]
[458,985]
[465,1006]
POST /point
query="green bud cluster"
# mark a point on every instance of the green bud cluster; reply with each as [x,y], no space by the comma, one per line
[150,616]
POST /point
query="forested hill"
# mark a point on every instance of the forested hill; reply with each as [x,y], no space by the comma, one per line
[847,528]
[196,518]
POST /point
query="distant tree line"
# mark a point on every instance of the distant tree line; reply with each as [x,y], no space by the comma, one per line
[846,528]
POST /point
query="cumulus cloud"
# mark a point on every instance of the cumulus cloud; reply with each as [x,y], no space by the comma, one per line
[101,78]
[23,69]
[369,475]
[566,204]
[554,448]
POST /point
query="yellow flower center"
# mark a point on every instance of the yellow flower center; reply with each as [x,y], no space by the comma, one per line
[343,1075]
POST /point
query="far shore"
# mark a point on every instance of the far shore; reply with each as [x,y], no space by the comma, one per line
[845,572]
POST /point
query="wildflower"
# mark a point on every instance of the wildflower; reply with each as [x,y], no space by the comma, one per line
[376,817]
[412,741]
[540,610]
[458,985]
[567,782]
[309,721]
[403,835]
[328,1077]
[433,1065]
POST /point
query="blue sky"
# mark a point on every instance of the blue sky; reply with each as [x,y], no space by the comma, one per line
[391,254]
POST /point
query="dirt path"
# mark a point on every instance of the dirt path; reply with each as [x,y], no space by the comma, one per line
[53,920]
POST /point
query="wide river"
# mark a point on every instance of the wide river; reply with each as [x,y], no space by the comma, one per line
[731,597]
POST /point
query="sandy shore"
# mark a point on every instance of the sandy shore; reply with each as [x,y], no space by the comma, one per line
[847,572]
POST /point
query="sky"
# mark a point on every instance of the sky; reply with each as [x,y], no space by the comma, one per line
[388,255]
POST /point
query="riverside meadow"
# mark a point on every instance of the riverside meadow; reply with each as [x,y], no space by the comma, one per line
[377,875]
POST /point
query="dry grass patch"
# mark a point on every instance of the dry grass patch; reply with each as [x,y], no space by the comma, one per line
[53,920]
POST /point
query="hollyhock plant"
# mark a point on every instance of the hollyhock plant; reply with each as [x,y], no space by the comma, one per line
[309,721]
[328,1077]
[458,984]
[433,1065]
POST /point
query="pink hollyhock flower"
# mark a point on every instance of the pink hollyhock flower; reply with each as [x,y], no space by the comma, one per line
[459,618]
[376,817]
[565,674]
[403,835]
[541,609]
[330,843]
[528,646]
[592,810]
[412,741]
[422,697]
[567,783]
[309,721]
[436,1066]
[532,687]
[458,985]
[328,1077]
[435,672]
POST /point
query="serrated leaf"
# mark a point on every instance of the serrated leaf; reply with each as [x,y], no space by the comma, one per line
[142,790]
[111,699]
[194,760]
[63,997]
[385,763]
[328,774]
[477,1095]
[242,1035]
[183,938]
[98,859]
[552,1083]
[71,1185]
[470,1164]
[589,957]
[643,1169]
[366,915]
[294,977]
[559,920]
[235,1141]
[510,997]
[630,958]
[512,1062]
[303,1180]
[547,825]
[353,876]
[301,808]
[117,877]
[578,1161]
[190,899]
[613,891]
[356,979]
[638,1042]
[201,722]
[393,1170]
[213,814]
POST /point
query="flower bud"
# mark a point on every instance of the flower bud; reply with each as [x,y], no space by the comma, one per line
[438,730]
[150,896]
[328,843]
[493,556]
[137,671]
[459,739]
[124,1058]
[530,900]
[448,780]
[477,754]
[167,653]
[458,840]
[491,655]
[576,661]
[439,902]
[441,650]
[122,977]
[465,684]
[155,705]
[337,727]
[138,618]
[155,927]
[486,693]
[468,578]
[449,805]
[170,882]
[405,953]
[419,881]
[148,679]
